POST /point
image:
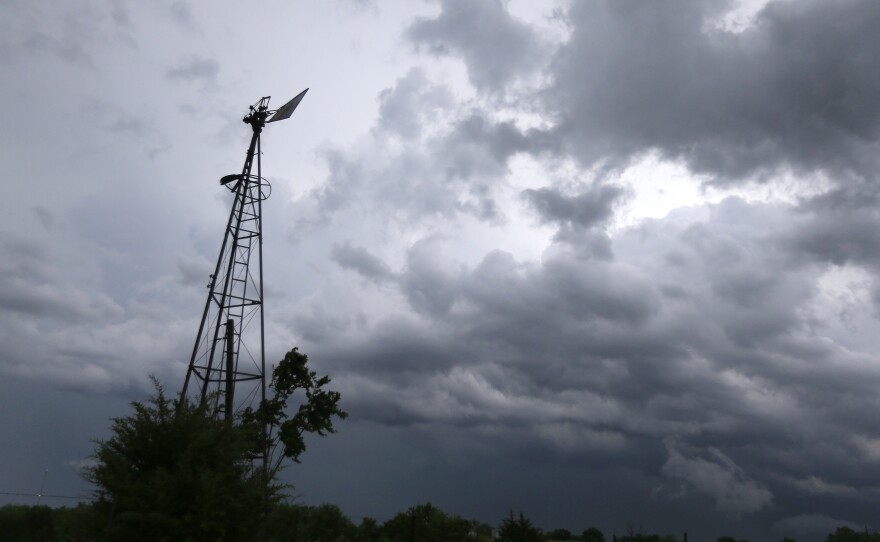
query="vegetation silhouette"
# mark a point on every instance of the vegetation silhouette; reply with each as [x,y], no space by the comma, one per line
[173,470]
[518,530]
[290,522]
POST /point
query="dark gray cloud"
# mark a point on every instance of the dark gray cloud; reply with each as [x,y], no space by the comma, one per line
[69,51]
[793,90]
[813,525]
[496,48]
[429,283]
[73,36]
[410,104]
[592,207]
[34,287]
[179,13]
[502,139]
[597,358]
[454,169]
[361,261]
[196,69]
[62,330]
[840,227]
[717,476]
[458,266]
[121,121]
[706,353]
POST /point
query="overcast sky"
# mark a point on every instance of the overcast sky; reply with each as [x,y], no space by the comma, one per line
[604,262]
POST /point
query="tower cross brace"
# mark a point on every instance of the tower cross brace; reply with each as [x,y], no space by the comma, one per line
[228,361]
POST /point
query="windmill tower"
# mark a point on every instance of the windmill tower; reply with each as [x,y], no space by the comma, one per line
[228,362]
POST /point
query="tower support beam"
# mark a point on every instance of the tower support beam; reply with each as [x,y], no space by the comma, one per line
[229,347]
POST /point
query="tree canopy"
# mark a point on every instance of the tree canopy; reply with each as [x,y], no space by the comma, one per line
[290,522]
[285,436]
[173,470]
[560,534]
[518,530]
[593,535]
[426,522]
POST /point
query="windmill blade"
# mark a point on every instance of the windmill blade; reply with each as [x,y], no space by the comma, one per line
[287,109]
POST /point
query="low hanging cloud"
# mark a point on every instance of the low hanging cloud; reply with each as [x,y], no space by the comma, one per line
[716,475]
[708,349]
[701,326]
[34,288]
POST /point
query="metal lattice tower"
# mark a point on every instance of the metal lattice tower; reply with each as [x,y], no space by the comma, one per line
[228,360]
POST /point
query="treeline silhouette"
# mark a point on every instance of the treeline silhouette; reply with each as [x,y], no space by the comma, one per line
[327,523]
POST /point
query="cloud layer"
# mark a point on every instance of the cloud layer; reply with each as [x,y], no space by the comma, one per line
[456,258]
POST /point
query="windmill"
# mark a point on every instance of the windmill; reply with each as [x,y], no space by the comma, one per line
[228,360]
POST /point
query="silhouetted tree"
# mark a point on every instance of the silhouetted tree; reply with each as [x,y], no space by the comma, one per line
[483,531]
[287,522]
[634,535]
[845,534]
[176,474]
[518,530]
[26,523]
[560,534]
[327,523]
[593,535]
[74,524]
[172,470]
[369,530]
[425,523]
[285,439]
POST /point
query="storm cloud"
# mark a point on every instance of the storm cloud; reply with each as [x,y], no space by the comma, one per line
[482,243]
[792,90]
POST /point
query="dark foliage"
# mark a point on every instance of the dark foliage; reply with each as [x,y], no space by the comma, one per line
[518,530]
[633,536]
[315,413]
[560,534]
[593,535]
[369,530]
[845,534]
[173,470]
[26,523]
[326,523]
[425,523]
[295,522]
[20,523]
